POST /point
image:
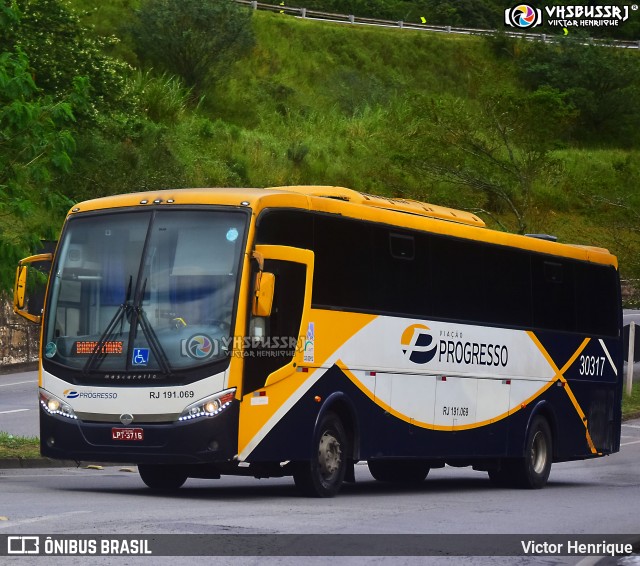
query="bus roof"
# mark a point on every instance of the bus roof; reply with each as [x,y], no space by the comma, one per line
[405,213]
[397,204]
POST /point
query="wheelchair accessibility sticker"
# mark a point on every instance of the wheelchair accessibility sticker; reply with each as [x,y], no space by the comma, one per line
[140,356]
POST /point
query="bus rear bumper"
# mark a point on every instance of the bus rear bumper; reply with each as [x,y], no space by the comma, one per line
[203,440]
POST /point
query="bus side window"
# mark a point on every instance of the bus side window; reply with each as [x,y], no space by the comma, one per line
[281,330]
[553,294]
[399,283]
[597,300]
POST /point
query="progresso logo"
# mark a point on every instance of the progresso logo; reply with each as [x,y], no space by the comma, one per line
[420,347]
[417,344]
[72,394]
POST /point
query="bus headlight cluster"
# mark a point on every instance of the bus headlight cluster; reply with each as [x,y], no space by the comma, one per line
[54,406]
[209,406]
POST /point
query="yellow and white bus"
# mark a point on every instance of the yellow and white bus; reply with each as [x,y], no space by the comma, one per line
[300,330]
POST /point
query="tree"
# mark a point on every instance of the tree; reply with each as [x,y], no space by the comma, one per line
[602,83]
[60,49]
[34,143]
[501,152]
[193,39]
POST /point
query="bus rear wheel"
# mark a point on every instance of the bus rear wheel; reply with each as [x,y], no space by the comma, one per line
[399,471]
[162,478]
[323,475]
[532,471]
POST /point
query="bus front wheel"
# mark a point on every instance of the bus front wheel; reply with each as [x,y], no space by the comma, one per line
[323,475]
[162,478]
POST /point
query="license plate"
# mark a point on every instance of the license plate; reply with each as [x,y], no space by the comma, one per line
[127,434]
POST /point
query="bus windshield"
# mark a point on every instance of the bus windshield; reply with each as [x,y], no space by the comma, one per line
[149,291]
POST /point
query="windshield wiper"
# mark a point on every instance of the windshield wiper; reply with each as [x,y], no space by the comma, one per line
[154,343]
[151,336]
[98,354]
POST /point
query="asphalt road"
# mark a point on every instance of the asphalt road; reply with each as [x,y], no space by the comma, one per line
[598,496]
[19,403]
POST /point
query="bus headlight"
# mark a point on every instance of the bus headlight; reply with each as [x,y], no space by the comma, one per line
[54,406]
[209,406]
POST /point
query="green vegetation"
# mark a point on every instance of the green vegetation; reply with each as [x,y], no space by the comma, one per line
[54,79]
[18,446]
[192,39]
[539,138]
[34,143]
[631,405]
[601,84]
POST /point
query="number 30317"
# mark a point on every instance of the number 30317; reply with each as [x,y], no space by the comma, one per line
[592,365]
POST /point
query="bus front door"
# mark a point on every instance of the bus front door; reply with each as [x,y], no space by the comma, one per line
[273,348]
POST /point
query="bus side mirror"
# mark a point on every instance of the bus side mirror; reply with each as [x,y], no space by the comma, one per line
[264,289]
[20,289]
[30,287]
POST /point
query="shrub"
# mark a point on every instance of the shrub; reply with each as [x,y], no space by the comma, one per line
[193,39]
[60,50]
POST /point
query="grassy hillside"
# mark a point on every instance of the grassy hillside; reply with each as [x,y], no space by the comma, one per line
[317,103]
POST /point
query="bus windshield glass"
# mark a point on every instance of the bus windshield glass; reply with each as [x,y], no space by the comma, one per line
[149,291]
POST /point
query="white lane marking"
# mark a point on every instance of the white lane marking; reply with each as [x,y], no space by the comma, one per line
[14,411]
[628,443]
[631,425]
[55,517]
[18,383]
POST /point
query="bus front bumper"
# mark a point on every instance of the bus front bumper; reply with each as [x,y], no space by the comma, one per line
[203,440]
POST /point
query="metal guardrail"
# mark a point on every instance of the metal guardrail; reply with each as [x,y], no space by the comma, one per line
[354,20]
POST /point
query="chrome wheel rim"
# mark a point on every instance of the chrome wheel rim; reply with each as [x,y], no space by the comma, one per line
[539,452]
[329,456]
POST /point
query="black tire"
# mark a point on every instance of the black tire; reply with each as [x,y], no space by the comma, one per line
[532,471]
[399,471]
[162,478]
[324,474]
